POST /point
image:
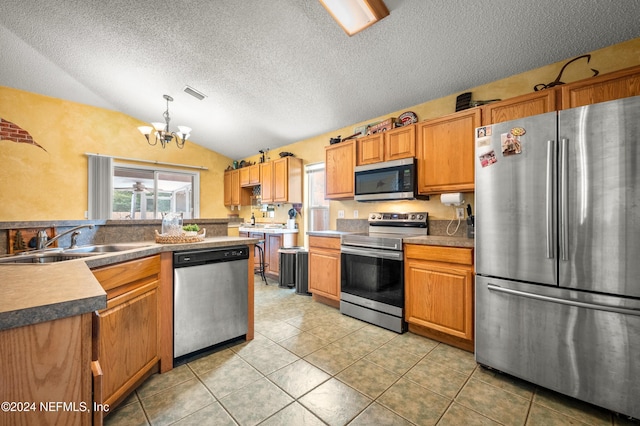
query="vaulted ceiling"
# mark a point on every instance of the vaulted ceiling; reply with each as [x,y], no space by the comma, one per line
[277,72]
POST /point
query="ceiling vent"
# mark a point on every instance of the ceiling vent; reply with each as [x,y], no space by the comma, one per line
[195,93]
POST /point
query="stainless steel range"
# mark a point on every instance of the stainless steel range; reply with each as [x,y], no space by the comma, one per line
[372,269]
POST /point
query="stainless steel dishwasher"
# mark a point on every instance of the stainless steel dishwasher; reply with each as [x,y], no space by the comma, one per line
[210,292]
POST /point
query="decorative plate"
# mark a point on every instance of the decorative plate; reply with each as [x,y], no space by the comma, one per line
[407,118]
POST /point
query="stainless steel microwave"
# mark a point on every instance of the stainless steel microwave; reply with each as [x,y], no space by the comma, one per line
[390,180]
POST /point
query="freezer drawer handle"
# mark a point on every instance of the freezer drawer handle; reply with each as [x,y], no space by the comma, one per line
[586,305]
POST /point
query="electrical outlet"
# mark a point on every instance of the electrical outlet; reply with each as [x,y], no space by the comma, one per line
[340,214]
[355,214]
[459,213]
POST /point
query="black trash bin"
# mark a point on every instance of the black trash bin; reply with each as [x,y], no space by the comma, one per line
[302,272]
[287,259]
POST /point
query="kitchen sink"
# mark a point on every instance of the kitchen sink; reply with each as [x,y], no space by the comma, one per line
[104,248]
[47,257]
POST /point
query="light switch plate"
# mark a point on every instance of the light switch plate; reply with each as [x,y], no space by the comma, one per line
[340,214]
[355,214]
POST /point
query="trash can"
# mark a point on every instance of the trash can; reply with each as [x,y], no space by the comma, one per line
[287,259]
[302,272]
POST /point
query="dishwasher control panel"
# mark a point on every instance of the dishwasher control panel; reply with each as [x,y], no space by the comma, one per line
[212,255]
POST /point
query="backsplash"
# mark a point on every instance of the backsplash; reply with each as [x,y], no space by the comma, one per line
[437,228]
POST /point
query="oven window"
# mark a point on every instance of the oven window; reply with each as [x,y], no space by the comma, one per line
[373,278]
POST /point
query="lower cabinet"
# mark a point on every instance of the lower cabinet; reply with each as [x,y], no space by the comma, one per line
[127,332]
[44,365]
[439,293]
[324,268]
[272,243]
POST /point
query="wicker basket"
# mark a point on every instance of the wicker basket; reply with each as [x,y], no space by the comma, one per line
[180,239]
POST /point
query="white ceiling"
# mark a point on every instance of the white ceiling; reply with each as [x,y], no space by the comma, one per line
[277,72]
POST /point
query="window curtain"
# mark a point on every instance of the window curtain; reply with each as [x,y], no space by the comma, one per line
[100,178]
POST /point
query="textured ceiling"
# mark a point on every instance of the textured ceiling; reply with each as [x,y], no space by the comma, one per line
[276,72]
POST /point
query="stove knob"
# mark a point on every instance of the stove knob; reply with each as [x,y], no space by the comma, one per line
[420,216]
[372,216]
[412,217]
[379,217]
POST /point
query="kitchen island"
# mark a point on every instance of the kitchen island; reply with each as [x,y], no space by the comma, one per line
[53,314]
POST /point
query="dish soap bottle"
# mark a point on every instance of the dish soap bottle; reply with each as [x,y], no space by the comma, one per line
[253,219]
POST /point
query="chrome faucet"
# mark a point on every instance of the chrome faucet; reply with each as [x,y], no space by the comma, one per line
[44,241]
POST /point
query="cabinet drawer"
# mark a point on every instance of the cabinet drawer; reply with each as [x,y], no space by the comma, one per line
[325,242]
[459,255]
[114,276]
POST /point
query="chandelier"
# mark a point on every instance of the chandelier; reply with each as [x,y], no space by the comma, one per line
[162,133]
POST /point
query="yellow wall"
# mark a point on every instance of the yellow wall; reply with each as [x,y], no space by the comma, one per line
[38,185]
[613,58]
[52,185]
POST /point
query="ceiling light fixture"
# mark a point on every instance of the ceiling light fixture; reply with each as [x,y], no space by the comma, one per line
[163,135]
[356,15]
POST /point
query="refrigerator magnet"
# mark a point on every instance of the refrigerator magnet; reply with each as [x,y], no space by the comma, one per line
[487,156]
[510,144]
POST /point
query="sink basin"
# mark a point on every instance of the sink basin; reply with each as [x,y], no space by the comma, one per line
[104,248]
[48,257]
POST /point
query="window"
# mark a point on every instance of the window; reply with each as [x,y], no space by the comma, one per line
[317,207]
[123,191]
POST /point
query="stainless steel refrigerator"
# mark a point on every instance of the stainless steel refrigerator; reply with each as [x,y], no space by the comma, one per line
[558,251]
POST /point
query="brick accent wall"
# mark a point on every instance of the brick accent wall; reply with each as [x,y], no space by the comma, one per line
[12,132]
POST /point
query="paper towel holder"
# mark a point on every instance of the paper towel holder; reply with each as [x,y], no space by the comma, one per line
[452,199]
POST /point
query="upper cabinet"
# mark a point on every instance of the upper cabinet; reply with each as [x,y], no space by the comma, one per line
[607,87]
[287,180]
[250,176]
[386,146]
[340,160]
[445,151]
[281,181]
[234,194]
[519,107]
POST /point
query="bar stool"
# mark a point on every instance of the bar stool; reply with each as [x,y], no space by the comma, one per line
[262,266]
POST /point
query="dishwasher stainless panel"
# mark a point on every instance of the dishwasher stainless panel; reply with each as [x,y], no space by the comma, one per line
[210,298]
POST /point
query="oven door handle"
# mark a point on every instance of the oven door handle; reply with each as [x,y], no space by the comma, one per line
[384,254]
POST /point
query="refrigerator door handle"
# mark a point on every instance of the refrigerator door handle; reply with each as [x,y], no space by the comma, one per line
[587,305]
[564,201]
[549,197]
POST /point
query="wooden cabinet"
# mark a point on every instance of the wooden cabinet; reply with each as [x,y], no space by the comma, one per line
[439,293]
[446,153]
[49,363]
[266,182]
[250,176]
[234,194]
[520,106]
[370,149]
[273,242]
[603,88]
[340,160]
[400,143]
[287,180]
[128,329]
[324,267]
[386,146]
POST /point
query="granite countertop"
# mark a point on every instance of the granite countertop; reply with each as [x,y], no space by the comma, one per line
[438,240]
[36,292]
[267,229]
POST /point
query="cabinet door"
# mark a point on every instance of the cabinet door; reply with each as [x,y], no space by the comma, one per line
[227,188]
[256,253]
[254,174]
[439,297]
[275,242]
[370,149]
[280,181]
[244,176]
[129,340]
[340,162]
[520,106]
[446,151]
[324,267]
[607,87]
[266,182]
[400,143]
[235,187]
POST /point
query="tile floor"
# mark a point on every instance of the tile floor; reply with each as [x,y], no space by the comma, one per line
[310,365]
